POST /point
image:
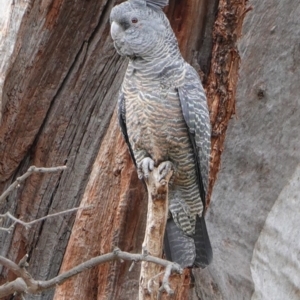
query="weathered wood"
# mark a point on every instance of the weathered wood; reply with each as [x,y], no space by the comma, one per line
[157,214]
[55,38]
[12,287]
[188,22]
[69,131]
[10,19]
[223,76]
[117,221]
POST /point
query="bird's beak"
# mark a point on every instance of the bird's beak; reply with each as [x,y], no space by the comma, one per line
[115,30]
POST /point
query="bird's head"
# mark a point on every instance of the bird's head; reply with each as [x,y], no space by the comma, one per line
[139,27]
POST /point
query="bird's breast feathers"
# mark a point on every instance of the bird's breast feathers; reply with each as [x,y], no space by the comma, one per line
[154,120]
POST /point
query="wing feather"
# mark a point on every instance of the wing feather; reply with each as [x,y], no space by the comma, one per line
[122,122]
[195,112]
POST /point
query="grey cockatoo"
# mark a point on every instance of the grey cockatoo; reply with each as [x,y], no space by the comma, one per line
[164,118]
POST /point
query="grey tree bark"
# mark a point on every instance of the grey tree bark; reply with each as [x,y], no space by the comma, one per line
[253,218]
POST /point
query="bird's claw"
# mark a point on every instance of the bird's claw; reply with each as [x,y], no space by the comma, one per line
[164,168]
[145,167]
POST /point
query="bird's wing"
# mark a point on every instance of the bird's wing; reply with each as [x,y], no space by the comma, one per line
[195,112]
[122,122]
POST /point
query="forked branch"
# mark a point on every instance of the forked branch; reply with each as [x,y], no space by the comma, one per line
[27,225]
[16,184]
[26,284]
[31,170]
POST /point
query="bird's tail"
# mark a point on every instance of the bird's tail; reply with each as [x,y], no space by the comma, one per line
[188,251]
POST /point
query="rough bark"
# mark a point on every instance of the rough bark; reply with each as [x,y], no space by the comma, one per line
[223,77]
[118,220]
[253,218]
[157,215]
[76,103]
[58,98]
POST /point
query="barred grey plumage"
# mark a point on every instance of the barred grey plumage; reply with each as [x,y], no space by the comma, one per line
[164,117]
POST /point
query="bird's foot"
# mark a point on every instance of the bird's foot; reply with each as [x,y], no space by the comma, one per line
[145,167]
[163,177]
[164,169]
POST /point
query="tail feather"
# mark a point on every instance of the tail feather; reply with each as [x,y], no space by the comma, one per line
[188,251]
[178,247]
[204,254]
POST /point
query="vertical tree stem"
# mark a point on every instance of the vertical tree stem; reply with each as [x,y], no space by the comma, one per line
[155,228]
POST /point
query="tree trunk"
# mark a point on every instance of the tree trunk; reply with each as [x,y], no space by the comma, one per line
[58,97]
[253,218]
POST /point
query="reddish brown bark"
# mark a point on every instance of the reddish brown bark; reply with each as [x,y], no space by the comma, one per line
[223,76]
[52,35]
[76,77]
[116,221]
[187,18]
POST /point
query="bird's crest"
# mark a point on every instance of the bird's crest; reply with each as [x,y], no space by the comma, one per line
[153,3]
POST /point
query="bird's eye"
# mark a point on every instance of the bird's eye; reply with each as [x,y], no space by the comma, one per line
[134,20]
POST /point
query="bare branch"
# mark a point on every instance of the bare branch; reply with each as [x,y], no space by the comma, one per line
[165,283]
[29,224]
[9,288]
[131,266]
[15,184]
[30,283]
[31,170]
[157,214]
[34,286]
[11,265]
[25,282]
[23,262]
[150,282]
[8,229]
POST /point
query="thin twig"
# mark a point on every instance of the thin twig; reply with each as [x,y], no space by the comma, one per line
[150,281]
[27,225]
[8,229]
[165,286]
[18,285]
[131,266]
[32,169]
[16,184]
[34,286]
[23,261]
